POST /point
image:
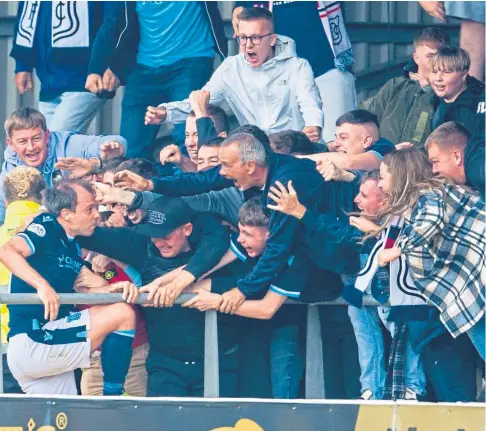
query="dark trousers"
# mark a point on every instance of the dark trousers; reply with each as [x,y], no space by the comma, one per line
[170,377]
[147,86]
[254,360]
[340,353]
[450,367]
[10,385]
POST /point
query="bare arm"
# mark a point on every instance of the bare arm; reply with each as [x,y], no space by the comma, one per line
[227,258]
[358,162]
[263,309]
[13,255]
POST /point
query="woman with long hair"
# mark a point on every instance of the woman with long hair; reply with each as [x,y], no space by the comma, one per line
[442,240]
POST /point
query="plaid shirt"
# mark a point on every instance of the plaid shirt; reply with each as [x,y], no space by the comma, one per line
[444,244]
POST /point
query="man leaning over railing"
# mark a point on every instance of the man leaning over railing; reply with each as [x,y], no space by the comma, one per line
[46,344]
[172,248]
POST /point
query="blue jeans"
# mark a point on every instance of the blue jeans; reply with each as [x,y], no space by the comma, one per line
[148,86]
[71,111]
[286,361]
[477,336]
[371,351]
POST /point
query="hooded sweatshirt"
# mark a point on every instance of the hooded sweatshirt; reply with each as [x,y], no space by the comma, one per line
[467,109]
[281,94]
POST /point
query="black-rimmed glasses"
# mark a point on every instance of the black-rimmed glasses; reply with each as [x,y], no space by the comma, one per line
[256,39]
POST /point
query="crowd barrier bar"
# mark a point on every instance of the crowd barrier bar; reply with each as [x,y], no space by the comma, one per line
[314,377]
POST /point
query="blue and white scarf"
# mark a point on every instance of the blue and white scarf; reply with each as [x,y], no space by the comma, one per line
[70,24]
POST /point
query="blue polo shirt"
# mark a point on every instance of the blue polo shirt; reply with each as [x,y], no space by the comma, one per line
[55,257]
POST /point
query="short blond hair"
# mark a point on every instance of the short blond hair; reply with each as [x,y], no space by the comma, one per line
[24,183]
[451,59]
[432,37]
[449,135]
[23,119]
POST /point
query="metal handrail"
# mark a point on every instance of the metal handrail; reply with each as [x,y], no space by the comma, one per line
[314,379]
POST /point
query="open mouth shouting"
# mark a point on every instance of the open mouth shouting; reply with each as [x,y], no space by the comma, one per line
[252,57]
[33,157]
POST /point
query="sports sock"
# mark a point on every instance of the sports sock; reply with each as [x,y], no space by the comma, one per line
[116,355]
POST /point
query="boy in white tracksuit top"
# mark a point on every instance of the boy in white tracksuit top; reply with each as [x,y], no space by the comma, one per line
[265,85]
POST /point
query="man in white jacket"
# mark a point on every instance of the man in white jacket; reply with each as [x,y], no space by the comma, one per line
[265,85]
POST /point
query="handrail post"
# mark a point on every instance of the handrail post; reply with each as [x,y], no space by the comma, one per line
[211,355]
[314,368]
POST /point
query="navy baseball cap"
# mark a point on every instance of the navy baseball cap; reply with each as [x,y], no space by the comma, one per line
[164,215]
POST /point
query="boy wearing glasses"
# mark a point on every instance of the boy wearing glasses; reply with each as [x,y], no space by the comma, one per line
[265,85]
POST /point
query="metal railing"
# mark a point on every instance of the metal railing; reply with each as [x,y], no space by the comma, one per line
[314,375]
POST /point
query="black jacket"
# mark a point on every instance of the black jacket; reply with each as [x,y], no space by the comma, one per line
[209,241]
[312,190]
[474,158]
[467,109]
[116,44]
[177,332]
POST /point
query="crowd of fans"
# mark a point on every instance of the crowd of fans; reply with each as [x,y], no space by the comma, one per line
[310,197]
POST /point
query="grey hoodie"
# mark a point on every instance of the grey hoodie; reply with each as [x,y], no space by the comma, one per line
[279,95]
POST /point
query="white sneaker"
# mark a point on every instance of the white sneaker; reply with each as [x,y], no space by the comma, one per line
[366,395]
[410,395]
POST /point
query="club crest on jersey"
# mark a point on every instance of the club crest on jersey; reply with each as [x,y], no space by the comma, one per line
[108,275]
[37,229]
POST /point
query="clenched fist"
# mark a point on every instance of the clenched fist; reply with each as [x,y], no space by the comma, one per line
[199,101]
[24,82]
[155,115]
[94,83]
[313,133]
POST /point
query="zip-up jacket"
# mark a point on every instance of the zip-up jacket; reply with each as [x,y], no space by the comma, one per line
[468,109]
[117,41]
[404,110]
[51,42]
[312,190]
[61,144]
[281,94]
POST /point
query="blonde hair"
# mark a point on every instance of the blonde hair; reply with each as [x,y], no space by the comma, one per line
[449,135]
[24,183]
[451,59]
[23,119]
[411,176]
